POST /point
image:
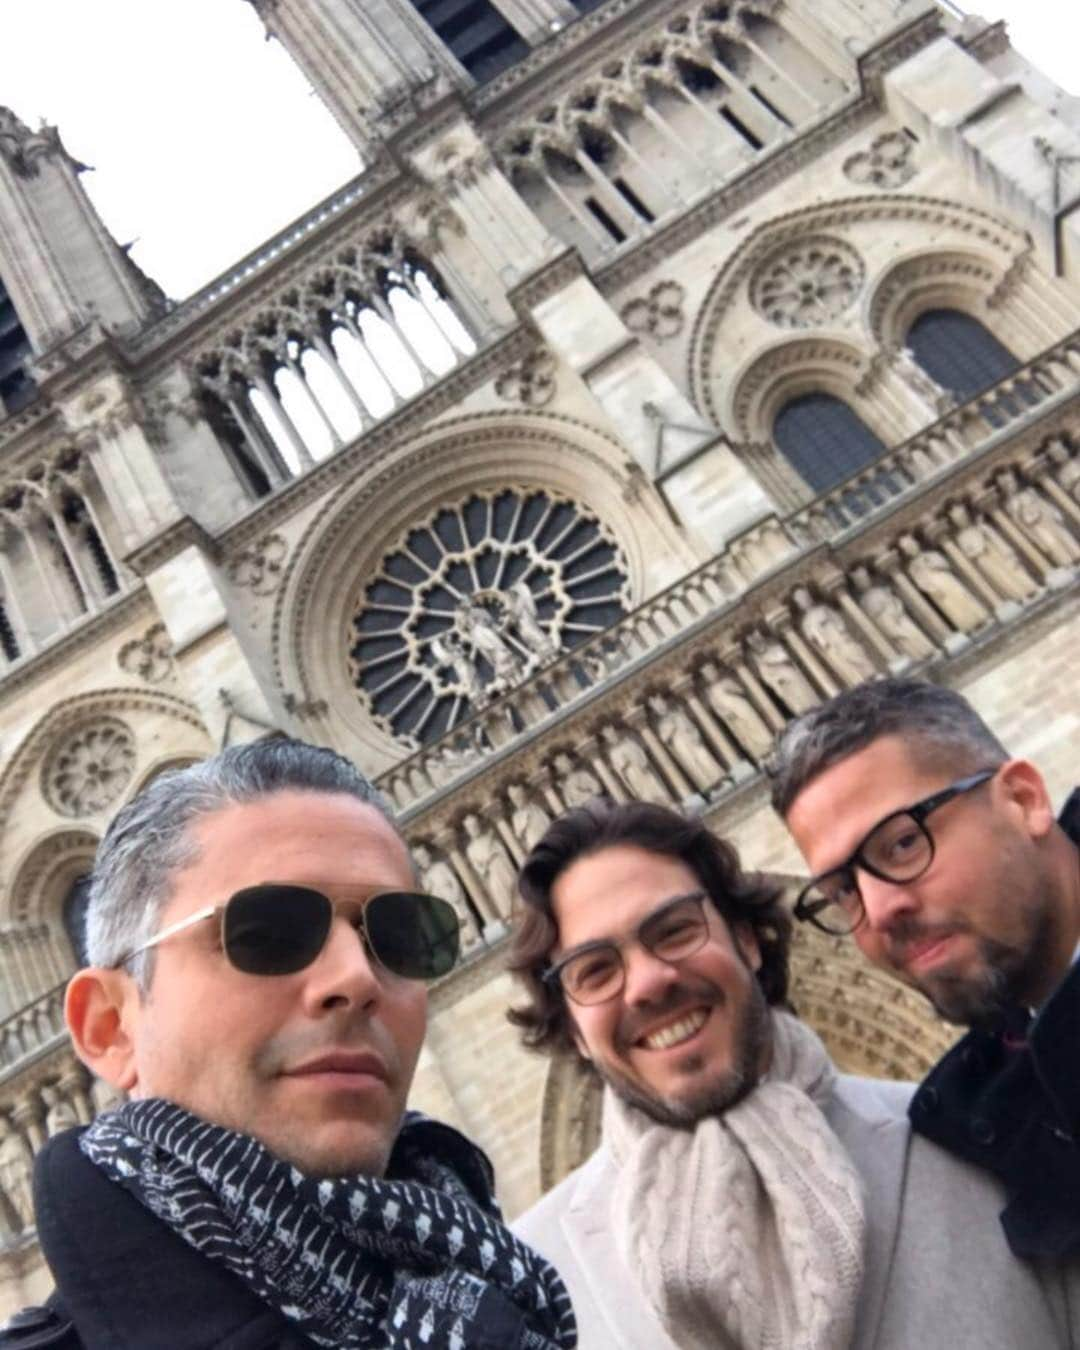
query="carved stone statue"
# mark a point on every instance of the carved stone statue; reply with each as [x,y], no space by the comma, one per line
[438,878]
[631,763]
[886,609]
[991,556]
[1041,521]
[447,650]
[930,571]
[825,630]
[577,785]
[1068,467]
[915,377]
[521,605]
[732,705]
[528,820]
[16,1169]
[446,762]
[491,863]
[776,668]
[479,629]
[686,743]
[59,1112]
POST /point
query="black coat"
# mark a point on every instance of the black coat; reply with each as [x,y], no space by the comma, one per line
[1008,1100]
[124,1280]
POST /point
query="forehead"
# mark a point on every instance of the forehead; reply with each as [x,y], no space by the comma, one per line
[836,809]
[607,893]
[322,839]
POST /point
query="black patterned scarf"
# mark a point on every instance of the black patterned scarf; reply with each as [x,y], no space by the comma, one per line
[418,1258]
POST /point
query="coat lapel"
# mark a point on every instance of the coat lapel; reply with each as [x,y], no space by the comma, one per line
[878,1140]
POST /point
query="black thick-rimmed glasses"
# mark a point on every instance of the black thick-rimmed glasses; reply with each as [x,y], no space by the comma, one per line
[596,971]
[278,929]
[898,849]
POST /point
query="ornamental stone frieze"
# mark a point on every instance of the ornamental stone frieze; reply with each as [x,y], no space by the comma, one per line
[90,768]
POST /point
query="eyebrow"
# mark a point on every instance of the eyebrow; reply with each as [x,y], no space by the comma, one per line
[594,943]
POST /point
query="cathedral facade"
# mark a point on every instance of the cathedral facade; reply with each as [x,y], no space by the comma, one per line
[669,366]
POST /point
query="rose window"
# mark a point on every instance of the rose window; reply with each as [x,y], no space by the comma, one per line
[808,284]
[473,600]
[90,768]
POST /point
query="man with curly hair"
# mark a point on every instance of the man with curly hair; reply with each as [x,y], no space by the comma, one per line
[745,1193]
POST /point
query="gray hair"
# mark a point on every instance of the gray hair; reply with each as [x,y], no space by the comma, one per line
[938,723]
[150,839]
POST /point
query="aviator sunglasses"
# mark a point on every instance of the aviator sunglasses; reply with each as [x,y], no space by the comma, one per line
[277,929]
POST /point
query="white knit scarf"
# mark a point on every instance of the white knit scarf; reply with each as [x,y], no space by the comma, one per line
[746,1230]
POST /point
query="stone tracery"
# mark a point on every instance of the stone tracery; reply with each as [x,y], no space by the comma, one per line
[473,600]
[808,283]
[90,768]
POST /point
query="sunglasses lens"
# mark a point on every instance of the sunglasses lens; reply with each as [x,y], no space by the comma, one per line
[412,935]
[275,930]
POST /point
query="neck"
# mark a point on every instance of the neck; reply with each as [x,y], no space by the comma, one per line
[1064,883]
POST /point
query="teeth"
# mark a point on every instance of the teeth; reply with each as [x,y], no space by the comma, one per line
[678,1031]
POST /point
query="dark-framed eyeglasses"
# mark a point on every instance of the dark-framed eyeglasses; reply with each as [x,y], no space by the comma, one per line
[279,929]
[596,971]
[898,849]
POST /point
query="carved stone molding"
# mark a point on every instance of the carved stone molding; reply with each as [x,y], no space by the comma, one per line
[89,768]
[530,382]
[260,567]
[809,283]
[149,657]
[659,313]
[888,162]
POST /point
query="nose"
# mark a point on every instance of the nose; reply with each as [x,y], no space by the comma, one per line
[885,902]
[647,977]
[343,976]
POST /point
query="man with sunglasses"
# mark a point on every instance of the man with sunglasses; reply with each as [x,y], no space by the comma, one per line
[941,856]
[259,954]
[744,1193]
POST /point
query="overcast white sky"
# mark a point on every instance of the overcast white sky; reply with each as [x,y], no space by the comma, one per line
[206,139]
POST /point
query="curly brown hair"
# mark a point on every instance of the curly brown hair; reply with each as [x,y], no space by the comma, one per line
[740,897]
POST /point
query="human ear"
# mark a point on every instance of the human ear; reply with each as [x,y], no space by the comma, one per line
[1023,790]
[100,1007]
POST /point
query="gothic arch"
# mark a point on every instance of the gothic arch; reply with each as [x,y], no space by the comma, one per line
[954,226]
[870,1025]
[43,876]
[932,279]
[348,538]
[152,719]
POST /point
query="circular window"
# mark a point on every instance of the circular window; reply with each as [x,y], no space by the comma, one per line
[473,600]
[808,283]
[90,768]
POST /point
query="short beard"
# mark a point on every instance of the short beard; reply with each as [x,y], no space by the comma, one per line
[752,1037]
[1004,980]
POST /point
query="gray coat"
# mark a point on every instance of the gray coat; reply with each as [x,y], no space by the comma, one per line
[939,1275]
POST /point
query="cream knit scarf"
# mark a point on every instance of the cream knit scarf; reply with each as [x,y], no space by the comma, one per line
[746,1230]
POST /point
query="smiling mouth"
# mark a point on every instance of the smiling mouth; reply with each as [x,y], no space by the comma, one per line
[676,1032]
[927,953]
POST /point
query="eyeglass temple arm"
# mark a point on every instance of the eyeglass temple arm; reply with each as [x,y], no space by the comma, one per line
[177,927]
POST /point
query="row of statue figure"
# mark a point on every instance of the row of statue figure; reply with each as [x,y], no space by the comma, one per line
[38,1115]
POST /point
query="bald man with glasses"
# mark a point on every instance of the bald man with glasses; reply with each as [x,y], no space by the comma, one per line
[941,856]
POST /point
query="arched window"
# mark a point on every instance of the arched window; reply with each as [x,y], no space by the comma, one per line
[16,386]
[824,440]
[74,915]
[959,352]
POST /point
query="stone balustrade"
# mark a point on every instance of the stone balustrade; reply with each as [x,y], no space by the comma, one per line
[57,1093]
[33,1029]
[682,700]
[1048,379]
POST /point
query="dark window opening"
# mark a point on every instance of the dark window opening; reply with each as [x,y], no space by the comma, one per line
[63,559]
[738,125]
[16,386]
[222,419]
[959,352]
[102,561]
[635,202]
[824,440]
[768,103]
[9,643]
[606,220]
[74,917]
[584,6]
[476,33]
